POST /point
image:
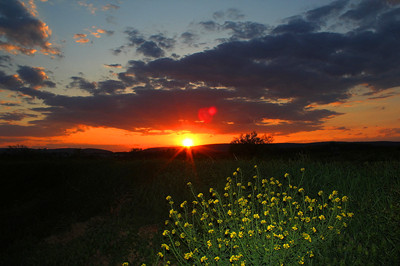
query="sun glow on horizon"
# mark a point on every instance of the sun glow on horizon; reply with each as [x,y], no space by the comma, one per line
[187,142]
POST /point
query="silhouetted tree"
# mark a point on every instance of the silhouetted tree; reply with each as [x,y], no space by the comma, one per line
[250,144]
[253,138]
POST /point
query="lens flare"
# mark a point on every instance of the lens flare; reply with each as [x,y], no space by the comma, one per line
[206,114]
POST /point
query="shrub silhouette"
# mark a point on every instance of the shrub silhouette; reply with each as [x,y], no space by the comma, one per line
[250,144]
[253,138]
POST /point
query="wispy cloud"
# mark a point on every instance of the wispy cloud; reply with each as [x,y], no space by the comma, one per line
[109,7]
[113,65]
[93,31]
[81,38]
[97,32]
[89,6]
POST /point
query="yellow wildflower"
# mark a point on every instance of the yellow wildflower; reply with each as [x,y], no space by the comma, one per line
[183,204]
[189,255]
[307,237]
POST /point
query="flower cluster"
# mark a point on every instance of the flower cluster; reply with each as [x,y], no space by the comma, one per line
[256,222]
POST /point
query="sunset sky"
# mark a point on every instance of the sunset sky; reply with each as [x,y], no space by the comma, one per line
[129,74]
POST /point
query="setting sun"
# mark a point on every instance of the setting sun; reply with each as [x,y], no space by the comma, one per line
[187,142]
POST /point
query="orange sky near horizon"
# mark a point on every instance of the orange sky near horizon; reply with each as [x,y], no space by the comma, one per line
[357,123]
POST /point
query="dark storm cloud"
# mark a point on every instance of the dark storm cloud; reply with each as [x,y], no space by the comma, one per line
[34,76]
[9,104]
[150,49]
[15,116]
[127,79]
[173,109]
[110,87]
[295,26]
[31,130]
[32,93]
[365,10]
[162,41]
[245,30]
[27,81]
[9,82]
[152,46]
[310,66]
[188,37]
[98,88]
[134,37]
[239,30]
[83,84]
[321,14]
[22,31]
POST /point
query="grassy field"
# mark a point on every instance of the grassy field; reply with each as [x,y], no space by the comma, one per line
[70,211]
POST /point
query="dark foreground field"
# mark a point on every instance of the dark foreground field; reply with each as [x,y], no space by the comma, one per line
[88,211]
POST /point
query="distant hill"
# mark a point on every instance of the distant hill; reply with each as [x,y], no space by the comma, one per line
[59,151]
[376,150]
